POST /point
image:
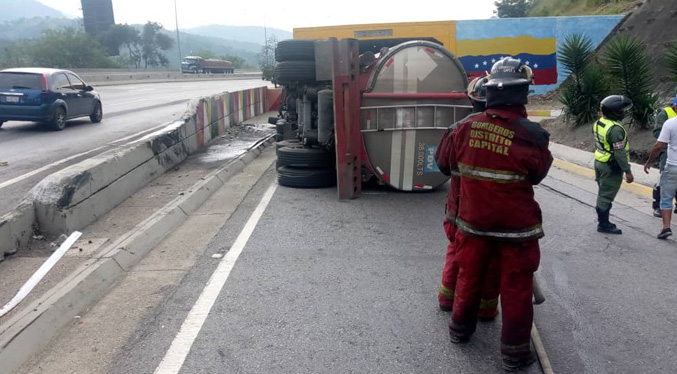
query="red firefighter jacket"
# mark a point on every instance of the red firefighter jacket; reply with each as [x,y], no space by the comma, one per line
[499,155]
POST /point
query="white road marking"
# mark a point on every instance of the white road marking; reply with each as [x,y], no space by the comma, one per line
[178,351]
[46,167]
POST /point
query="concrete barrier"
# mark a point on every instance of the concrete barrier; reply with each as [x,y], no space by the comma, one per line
[76,196]
[110,77]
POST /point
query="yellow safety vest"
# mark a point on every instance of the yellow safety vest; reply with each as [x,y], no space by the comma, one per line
[670,112]
[603,150]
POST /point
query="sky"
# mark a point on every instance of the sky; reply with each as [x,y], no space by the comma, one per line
[285,14]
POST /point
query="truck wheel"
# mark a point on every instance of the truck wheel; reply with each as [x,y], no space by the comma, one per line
[301,157]
[295,50]
[306,178]
[288,143]
[295,71]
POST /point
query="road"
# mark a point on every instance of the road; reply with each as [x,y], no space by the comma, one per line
[350,287]
[130,111]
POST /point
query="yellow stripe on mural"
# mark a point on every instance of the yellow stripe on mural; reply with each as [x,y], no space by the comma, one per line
[507,46]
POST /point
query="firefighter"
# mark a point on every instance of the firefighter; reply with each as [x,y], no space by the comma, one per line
[660,117]
[612,157]
[500,155]
[489,303]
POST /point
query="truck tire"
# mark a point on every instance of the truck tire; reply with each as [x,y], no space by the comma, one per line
[302,157]
[295,50]
[288,143]
[295,71]
[306,178]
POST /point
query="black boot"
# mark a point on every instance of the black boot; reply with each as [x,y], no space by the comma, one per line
[604,225]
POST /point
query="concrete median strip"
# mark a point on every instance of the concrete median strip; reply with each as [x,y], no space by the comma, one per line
[76,196]
[31,330]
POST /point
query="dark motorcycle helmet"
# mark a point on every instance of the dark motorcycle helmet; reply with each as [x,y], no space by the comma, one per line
[508,83]
[615,107]
[477,93]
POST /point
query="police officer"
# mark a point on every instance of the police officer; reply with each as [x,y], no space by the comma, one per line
[612,157]
[500,155]
[488,310]
[660,117]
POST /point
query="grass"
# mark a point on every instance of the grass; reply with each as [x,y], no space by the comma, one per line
[544,8]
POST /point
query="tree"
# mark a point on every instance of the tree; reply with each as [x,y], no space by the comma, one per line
[267,58]
[585,87]
[512,8]
[118,36]
[630,71]
[153,43]
[238,62]
[69,48]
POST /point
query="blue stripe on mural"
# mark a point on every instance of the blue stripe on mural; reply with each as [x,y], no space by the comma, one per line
[481,63]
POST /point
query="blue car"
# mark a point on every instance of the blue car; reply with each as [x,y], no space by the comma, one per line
[49,96]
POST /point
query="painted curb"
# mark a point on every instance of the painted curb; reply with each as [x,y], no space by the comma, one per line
[30,331]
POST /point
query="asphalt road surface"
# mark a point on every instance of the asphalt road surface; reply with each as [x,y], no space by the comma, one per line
[130,111]
[314,285]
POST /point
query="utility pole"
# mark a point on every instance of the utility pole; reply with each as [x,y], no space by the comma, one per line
[178,38]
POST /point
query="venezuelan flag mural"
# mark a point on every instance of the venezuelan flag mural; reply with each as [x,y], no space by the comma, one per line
[540,54]
[533,40]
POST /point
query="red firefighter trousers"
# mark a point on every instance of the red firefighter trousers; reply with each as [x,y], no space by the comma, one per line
[518,262]
[489,301]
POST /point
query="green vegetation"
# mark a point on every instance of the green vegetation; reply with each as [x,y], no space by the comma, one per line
[670,62]
[512,8]
[585,88]
[623,68]
[544,8]
[630,73]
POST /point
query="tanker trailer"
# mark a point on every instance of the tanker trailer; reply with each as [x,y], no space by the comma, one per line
[356,117]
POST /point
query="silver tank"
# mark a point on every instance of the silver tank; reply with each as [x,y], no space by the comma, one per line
[416,91]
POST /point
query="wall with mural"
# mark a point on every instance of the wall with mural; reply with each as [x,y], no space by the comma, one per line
[479,43]
[533,40]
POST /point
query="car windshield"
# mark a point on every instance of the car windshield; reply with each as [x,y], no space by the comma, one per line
[21,81]
[189,61]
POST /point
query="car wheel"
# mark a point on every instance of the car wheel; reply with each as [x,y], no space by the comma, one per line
[306,178]
[58,122]
[295,71]
[302,157]
[97,115]
[295,50]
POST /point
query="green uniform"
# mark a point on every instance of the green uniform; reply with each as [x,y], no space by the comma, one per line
[612,159]
[660,117]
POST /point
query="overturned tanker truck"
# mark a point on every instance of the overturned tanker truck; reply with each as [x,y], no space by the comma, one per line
[350,114]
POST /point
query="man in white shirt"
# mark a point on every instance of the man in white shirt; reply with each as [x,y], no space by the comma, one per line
[668,183]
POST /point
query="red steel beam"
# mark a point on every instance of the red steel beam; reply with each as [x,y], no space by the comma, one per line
[347,118]
[415,96]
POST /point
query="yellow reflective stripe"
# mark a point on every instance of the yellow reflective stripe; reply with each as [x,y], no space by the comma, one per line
[604,150]
[491,175]
[489,304]
[532,232]
[670,112]
[449,294]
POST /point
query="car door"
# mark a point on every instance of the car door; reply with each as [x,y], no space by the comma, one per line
[62,86]
[85,100]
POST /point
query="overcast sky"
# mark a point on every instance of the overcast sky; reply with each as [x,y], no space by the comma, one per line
[291,14]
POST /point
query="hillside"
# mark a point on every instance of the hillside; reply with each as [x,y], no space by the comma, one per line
[250,34]
[17,9]
[544,8]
